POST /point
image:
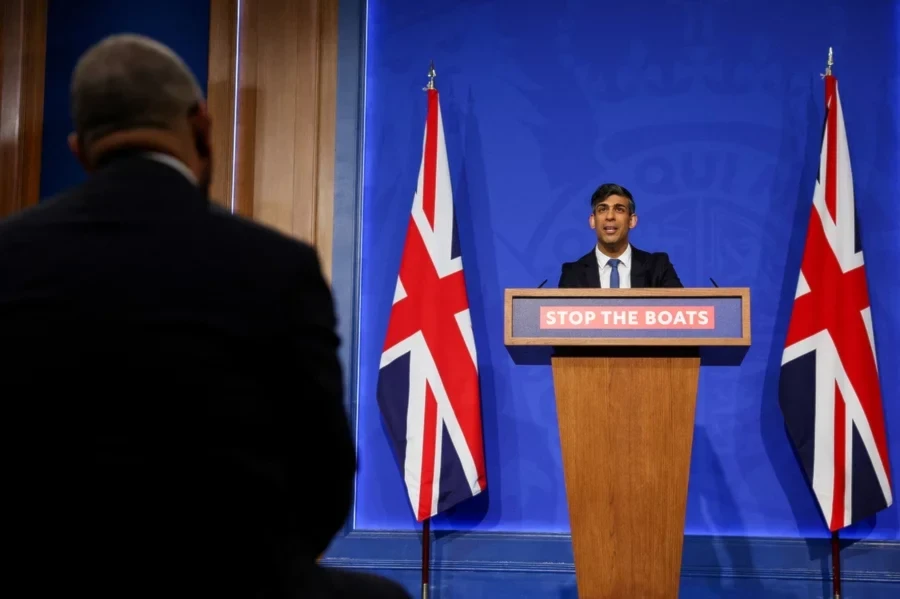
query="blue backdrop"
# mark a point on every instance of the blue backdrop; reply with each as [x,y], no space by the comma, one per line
[711,113]
[72,27]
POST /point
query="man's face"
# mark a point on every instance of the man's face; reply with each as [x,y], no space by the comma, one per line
[612,219]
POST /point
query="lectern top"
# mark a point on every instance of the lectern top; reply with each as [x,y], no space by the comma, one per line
[691,292]
[628,317]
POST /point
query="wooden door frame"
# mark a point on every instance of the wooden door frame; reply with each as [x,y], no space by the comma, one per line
[23,48]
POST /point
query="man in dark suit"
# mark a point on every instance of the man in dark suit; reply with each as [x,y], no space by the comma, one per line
[171,386]
[614,262]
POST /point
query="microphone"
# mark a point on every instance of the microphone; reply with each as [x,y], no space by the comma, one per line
[713,282]
[542,284]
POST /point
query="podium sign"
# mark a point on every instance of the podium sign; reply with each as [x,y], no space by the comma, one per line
[692,317]
[625,397]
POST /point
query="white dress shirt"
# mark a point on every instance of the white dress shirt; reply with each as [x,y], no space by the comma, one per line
[606,269]
[174,163]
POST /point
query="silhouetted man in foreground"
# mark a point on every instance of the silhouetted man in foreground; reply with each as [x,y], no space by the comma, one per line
[171,387]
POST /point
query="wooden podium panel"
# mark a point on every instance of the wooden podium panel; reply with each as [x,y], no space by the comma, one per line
[626,426]
[625,373]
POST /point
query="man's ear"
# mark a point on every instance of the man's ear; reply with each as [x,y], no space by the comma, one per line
[201,125]
[591,223]
[632,222]
[78,151]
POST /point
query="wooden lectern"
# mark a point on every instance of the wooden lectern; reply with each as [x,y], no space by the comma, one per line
[625,371]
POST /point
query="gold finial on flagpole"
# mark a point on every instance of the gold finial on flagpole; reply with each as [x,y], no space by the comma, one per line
[431,75]
[830,62]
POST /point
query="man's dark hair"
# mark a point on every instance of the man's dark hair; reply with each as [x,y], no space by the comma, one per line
[611,189]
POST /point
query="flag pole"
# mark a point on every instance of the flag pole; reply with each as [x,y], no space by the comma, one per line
[426,560]
[835,537]
[431,75]
[426,525]
[836,565]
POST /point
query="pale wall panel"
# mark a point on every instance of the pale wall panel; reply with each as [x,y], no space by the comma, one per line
[272,87]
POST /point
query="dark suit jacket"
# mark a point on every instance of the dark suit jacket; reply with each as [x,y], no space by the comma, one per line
[647,270]
[173,388]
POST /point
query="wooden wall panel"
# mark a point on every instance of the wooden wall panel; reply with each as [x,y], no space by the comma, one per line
[277,161]
[326,114]
[272,93]
[221,97]
[23,44]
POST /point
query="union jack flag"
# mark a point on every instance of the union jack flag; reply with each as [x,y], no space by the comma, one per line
[428,389]
[829,391]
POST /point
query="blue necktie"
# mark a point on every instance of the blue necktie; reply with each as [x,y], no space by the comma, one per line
[614,275]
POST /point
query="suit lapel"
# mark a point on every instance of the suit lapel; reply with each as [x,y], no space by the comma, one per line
[638,268]
[590,275]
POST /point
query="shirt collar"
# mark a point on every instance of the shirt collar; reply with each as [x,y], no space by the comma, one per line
[624,259]
[174,163]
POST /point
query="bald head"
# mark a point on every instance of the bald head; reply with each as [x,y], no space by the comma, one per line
[129,91]
[130,82]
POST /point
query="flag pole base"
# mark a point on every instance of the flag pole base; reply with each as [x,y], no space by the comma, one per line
[836,565]
[426,556]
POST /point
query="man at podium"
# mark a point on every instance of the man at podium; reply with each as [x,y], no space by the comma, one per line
[614,262]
